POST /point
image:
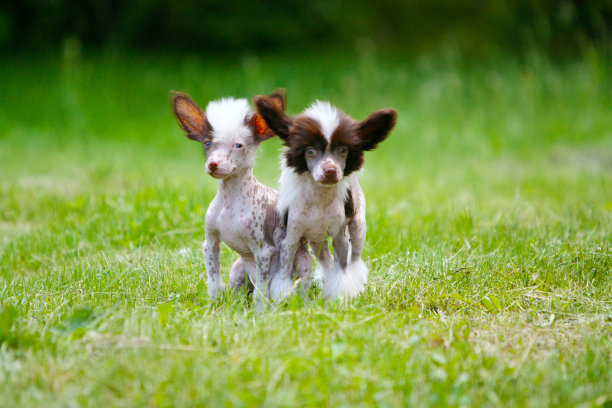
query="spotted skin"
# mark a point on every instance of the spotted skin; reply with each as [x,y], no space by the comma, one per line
[243,214]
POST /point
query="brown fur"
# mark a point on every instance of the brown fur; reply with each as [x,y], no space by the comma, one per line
[349,206]
[274,116]
[304,133]
[346,135]
[319,207]
[376,128]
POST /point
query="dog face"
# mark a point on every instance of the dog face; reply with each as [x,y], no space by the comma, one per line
[229,132]
[323,140]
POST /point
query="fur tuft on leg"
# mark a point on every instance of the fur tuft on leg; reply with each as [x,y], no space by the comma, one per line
[280,288]
[317,277]
[349,283]
[359,270]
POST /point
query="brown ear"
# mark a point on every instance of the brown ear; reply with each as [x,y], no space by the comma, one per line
[190,117]
[262,131]
[279,97]
[274,117]
[376,128]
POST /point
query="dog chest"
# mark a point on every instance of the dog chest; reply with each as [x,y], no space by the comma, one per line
[318,222]
[236,227]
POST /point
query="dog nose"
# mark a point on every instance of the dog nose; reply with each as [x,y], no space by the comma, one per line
[329,170]
[213,165]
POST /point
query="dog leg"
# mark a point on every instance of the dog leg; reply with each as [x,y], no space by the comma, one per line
[325,267]
[340,281]
[281,284]
[302,267]
[341,248]
[239,276]
[357,233]
[357,228]
[210,248]
[263,259]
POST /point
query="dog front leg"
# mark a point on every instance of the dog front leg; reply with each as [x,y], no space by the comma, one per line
[281,283]
[302,267]
[357,226]
[342,281]
[341,248]
[357,231]
[263,260]
[210,248]
[325,261]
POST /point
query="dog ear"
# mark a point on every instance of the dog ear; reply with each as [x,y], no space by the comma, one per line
[259,125]
[190,117]
[376,128]
[279,97]
[273,115]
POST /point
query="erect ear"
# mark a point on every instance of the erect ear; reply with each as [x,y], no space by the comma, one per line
[263,132]
[259,125]
[273,115]
[190,117]
[279,97]
[376,128]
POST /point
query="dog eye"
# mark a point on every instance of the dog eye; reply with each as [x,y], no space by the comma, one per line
[238,146]
[207,144]
[311,152]
[343,150]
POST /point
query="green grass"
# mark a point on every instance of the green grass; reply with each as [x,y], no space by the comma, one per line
[490,238]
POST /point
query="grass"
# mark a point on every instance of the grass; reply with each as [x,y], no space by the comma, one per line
[490,247]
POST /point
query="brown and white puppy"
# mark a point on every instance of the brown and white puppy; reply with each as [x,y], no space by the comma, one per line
[243,214]
[320,194]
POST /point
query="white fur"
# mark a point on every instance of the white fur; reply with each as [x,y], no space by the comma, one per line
[318,212]
[326,115]
[318,208]
[227,117]
[347,283]
[281,287]
[237,214]
[317,277]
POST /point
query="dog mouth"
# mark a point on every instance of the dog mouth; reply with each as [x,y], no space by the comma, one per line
[328,181]
[218,174]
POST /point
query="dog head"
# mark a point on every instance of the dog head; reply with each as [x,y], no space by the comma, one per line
[323,140]
[229,131]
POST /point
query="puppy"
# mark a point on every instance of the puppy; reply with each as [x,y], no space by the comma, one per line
[320,194]
[243,214]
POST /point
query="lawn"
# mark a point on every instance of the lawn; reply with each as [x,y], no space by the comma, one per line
[489,241]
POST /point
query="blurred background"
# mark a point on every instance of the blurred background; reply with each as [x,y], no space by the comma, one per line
[489,208]
[494,97]
[560,28]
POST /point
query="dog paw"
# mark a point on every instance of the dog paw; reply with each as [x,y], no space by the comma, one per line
[280,288]
[348,283]
[215,288]
[359,272]
[317,276]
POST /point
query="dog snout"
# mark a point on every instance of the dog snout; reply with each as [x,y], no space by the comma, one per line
[329,170]
[213,165]
[329,174]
